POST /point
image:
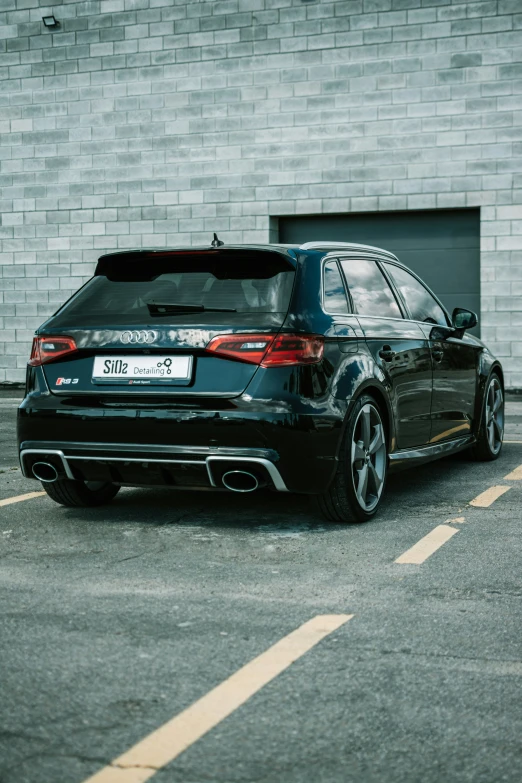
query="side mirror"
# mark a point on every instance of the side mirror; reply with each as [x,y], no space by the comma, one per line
[463,319]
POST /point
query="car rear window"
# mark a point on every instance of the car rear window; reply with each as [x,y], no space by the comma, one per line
[240,286]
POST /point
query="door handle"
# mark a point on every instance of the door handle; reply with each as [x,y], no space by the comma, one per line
[386,353]
[437,354]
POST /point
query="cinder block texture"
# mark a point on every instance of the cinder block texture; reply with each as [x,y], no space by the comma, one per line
[154,122]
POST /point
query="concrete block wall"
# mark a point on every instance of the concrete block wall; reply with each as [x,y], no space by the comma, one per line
[157,122]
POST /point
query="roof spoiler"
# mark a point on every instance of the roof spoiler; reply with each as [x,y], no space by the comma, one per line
[223,262]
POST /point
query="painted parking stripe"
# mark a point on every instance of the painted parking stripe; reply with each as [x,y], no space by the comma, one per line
[485,499]
[424,548]
[162,746]
[19,498]
[515,475]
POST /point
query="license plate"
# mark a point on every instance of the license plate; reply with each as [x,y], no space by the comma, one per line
[142,369]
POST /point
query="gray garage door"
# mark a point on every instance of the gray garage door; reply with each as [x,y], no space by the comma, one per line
[441,246]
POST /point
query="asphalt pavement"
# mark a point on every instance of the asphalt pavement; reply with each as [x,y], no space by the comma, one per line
[115,620]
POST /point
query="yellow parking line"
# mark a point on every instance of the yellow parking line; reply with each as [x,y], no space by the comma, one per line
[19,498]
[488,497]
[424,548]
[515,475]
[162,746]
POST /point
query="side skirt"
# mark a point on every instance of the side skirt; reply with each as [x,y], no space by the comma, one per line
[400,460]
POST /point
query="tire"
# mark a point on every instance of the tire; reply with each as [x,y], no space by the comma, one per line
[491,429]
[76,494]
[363,457]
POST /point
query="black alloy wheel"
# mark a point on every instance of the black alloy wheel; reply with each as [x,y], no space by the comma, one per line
[358,485]
[491,431]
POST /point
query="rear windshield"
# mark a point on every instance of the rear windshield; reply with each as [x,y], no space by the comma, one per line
[235,288]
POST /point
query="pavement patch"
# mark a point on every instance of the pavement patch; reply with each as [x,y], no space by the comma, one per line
[424,548]
[487,498]
[162,746]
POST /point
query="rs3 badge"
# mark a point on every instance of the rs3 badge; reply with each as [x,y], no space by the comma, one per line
[64,381]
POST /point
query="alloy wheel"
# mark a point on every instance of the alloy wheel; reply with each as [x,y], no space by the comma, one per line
[494,415]
[368,457]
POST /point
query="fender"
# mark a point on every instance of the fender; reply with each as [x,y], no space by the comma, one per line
[487,365]
[374,387]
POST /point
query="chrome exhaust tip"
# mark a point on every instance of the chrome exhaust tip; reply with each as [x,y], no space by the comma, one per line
[45,472]
[240,481]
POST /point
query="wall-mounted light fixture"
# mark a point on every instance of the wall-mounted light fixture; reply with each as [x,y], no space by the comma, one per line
[50,21]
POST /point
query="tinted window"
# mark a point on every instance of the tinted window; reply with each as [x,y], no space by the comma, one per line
[420,303]
[370,291]
[238,287]
[334,293]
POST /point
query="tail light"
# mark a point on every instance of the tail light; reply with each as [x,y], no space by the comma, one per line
[270,350]
[45,349]
[294,349]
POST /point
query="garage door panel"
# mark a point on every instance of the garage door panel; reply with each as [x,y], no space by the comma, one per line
[437,236]
[441,246]
[445,270]
[443,228]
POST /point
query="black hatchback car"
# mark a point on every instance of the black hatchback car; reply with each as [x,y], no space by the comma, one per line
[312,369]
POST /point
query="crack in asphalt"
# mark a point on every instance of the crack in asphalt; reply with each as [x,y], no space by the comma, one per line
[6,734]
[140,554]
[442,656]
[133,766]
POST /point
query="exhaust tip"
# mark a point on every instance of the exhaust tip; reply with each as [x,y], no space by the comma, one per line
[45,472]
[240,481]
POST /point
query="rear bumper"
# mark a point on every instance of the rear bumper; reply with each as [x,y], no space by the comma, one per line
[124,463]
[289,450]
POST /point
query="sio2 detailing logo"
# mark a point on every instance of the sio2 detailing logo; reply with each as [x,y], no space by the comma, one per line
[166,363]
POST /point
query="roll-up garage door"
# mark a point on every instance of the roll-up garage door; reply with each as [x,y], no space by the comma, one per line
[441,246]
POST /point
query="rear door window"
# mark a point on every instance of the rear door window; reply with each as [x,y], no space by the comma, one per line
[335,300]
[421,304]
[370,291]
[227,291]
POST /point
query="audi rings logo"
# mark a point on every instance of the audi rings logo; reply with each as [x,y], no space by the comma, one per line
[146,337]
